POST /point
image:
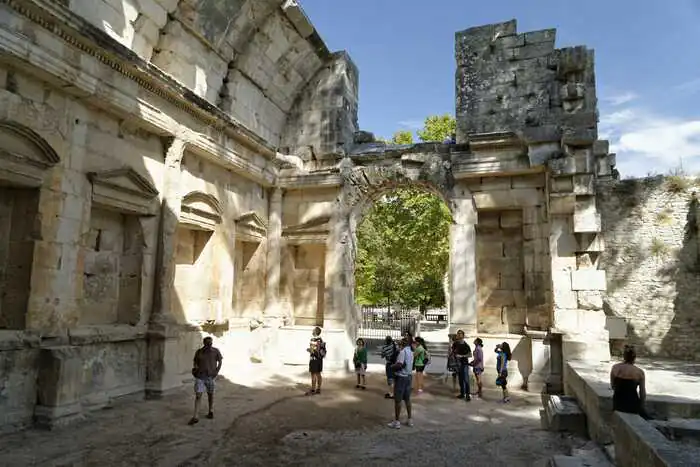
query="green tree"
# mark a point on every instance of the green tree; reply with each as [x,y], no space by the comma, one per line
[437,128]
[402,137]
[403,250]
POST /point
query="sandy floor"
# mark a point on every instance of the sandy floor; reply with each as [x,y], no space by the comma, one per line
[269,421]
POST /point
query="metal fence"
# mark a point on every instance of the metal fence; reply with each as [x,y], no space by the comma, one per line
[378,322]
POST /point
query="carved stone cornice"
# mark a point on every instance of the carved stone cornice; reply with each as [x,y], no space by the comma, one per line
[89,39]
[123,190]
[251,228]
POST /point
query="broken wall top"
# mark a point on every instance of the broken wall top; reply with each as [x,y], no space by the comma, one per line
[507,81]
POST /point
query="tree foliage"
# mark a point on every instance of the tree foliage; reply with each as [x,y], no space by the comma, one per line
[402,137]
[403,250]
[437,128]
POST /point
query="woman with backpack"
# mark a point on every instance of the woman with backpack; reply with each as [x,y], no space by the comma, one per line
[503,356]
[420,358]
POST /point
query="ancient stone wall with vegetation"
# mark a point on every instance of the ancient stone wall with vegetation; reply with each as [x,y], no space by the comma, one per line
[652,259]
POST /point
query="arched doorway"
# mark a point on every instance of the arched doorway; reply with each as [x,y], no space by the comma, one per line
[401,264]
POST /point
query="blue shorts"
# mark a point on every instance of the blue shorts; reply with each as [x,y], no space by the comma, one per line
[478,371]
[402,388]
[389,374]
[205,384]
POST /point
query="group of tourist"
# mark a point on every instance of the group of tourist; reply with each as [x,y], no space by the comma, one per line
[411,354]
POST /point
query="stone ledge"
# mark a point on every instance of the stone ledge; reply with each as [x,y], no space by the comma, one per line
[18,340]
[638,442]
[108,333]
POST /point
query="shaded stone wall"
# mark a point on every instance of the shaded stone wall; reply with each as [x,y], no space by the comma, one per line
[651,235]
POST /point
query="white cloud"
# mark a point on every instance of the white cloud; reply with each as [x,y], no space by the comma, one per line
[645,142]
[411,124]
[691,86]
[621,98]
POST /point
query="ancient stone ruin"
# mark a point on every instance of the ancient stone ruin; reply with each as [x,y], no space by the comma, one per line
[193,166]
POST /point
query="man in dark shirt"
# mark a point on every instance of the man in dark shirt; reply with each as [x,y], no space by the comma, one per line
[207,364]
[462,352]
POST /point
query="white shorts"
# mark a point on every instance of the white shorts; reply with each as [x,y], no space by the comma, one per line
[362,369]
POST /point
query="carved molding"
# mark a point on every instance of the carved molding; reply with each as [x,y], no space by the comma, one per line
[24,154]
[251,228]
[123,190]
[200,211]
[313,231]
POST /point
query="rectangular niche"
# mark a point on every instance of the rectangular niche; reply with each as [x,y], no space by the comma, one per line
[196,294]
[18,229]
[308,283]
[249,292]
[113,269]
[500,272]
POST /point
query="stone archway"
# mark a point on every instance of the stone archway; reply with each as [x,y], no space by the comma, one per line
[361,186]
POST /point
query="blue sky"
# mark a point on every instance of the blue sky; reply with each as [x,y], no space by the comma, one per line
[647,64]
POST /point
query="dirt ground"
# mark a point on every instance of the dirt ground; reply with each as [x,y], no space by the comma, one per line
[277,424]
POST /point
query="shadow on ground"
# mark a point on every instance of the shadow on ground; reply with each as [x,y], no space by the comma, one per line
[274,423]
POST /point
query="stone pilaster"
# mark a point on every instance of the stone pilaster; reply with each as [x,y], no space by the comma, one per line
[165,329]
[463,296]
[274,255]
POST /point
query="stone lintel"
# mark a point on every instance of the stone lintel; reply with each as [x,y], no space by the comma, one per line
[588,279]
[497,140]
[562,203]
[251,228]
[311,180]
[85,335]
[512,198]
[123,190]
[17,340]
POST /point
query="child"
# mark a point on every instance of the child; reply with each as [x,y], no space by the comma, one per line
[503,356]
[389,353]
[317,352]
[478,364]
[360,361]
[452,364]
[419,357]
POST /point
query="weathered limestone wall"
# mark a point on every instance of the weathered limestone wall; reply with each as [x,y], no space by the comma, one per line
[652,257]
[252,58]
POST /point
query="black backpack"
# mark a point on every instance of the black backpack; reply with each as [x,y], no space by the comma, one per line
[395,353]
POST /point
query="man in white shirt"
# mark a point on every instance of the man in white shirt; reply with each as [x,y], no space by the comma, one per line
[403,369]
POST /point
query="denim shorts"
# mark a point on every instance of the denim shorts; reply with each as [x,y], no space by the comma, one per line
[389,374]
[204,384]
[402,388]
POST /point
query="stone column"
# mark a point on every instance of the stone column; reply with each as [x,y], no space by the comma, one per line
[167,334]
[463,295]
[274,255]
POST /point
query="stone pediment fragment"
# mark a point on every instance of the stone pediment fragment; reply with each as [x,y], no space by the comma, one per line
[200,211]
[250,227]
[314,231]
[24,155]
[123,190]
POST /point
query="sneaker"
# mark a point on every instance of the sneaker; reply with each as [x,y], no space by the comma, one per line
[210,415]
[409,423]
[468,398]
[506,400]
[357,386]
[395,424]
[420,391]
[363,387]
[460,396]
[310,392]
[388,396]
[193,420]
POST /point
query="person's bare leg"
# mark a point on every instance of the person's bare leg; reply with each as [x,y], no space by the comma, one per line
[454,382]
[409,410]
[210,399]
[364,381]
[397,410]
[319,380]
[478,384]
[197,404]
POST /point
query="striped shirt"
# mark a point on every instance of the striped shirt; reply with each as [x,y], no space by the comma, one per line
[388,351]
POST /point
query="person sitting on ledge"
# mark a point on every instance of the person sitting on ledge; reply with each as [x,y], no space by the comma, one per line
[625,378]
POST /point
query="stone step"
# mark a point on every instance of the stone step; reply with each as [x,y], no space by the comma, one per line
[588,456]
[562,413]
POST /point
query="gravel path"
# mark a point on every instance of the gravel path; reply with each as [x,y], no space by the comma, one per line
[277,424]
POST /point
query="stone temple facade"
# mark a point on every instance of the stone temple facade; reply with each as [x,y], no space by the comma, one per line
[172,168]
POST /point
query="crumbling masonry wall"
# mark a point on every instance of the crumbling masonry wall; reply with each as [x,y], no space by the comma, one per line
[652,261]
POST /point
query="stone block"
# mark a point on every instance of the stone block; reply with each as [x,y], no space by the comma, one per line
[601,148]
[587,222]
[562,203]
[564,414]
[529,181]
[561,184]
[563,295]
[505,199]
[588,280]
[495,183]
[590,300]
[59,385]
[511,219]
[583,184]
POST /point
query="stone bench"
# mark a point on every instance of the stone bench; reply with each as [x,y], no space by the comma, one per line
[562,413]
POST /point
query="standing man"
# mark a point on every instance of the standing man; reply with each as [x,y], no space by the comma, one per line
[403,384]
[462,352]
[317,352]
[207,364]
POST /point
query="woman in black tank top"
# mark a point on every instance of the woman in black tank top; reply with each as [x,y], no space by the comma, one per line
[628,384]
